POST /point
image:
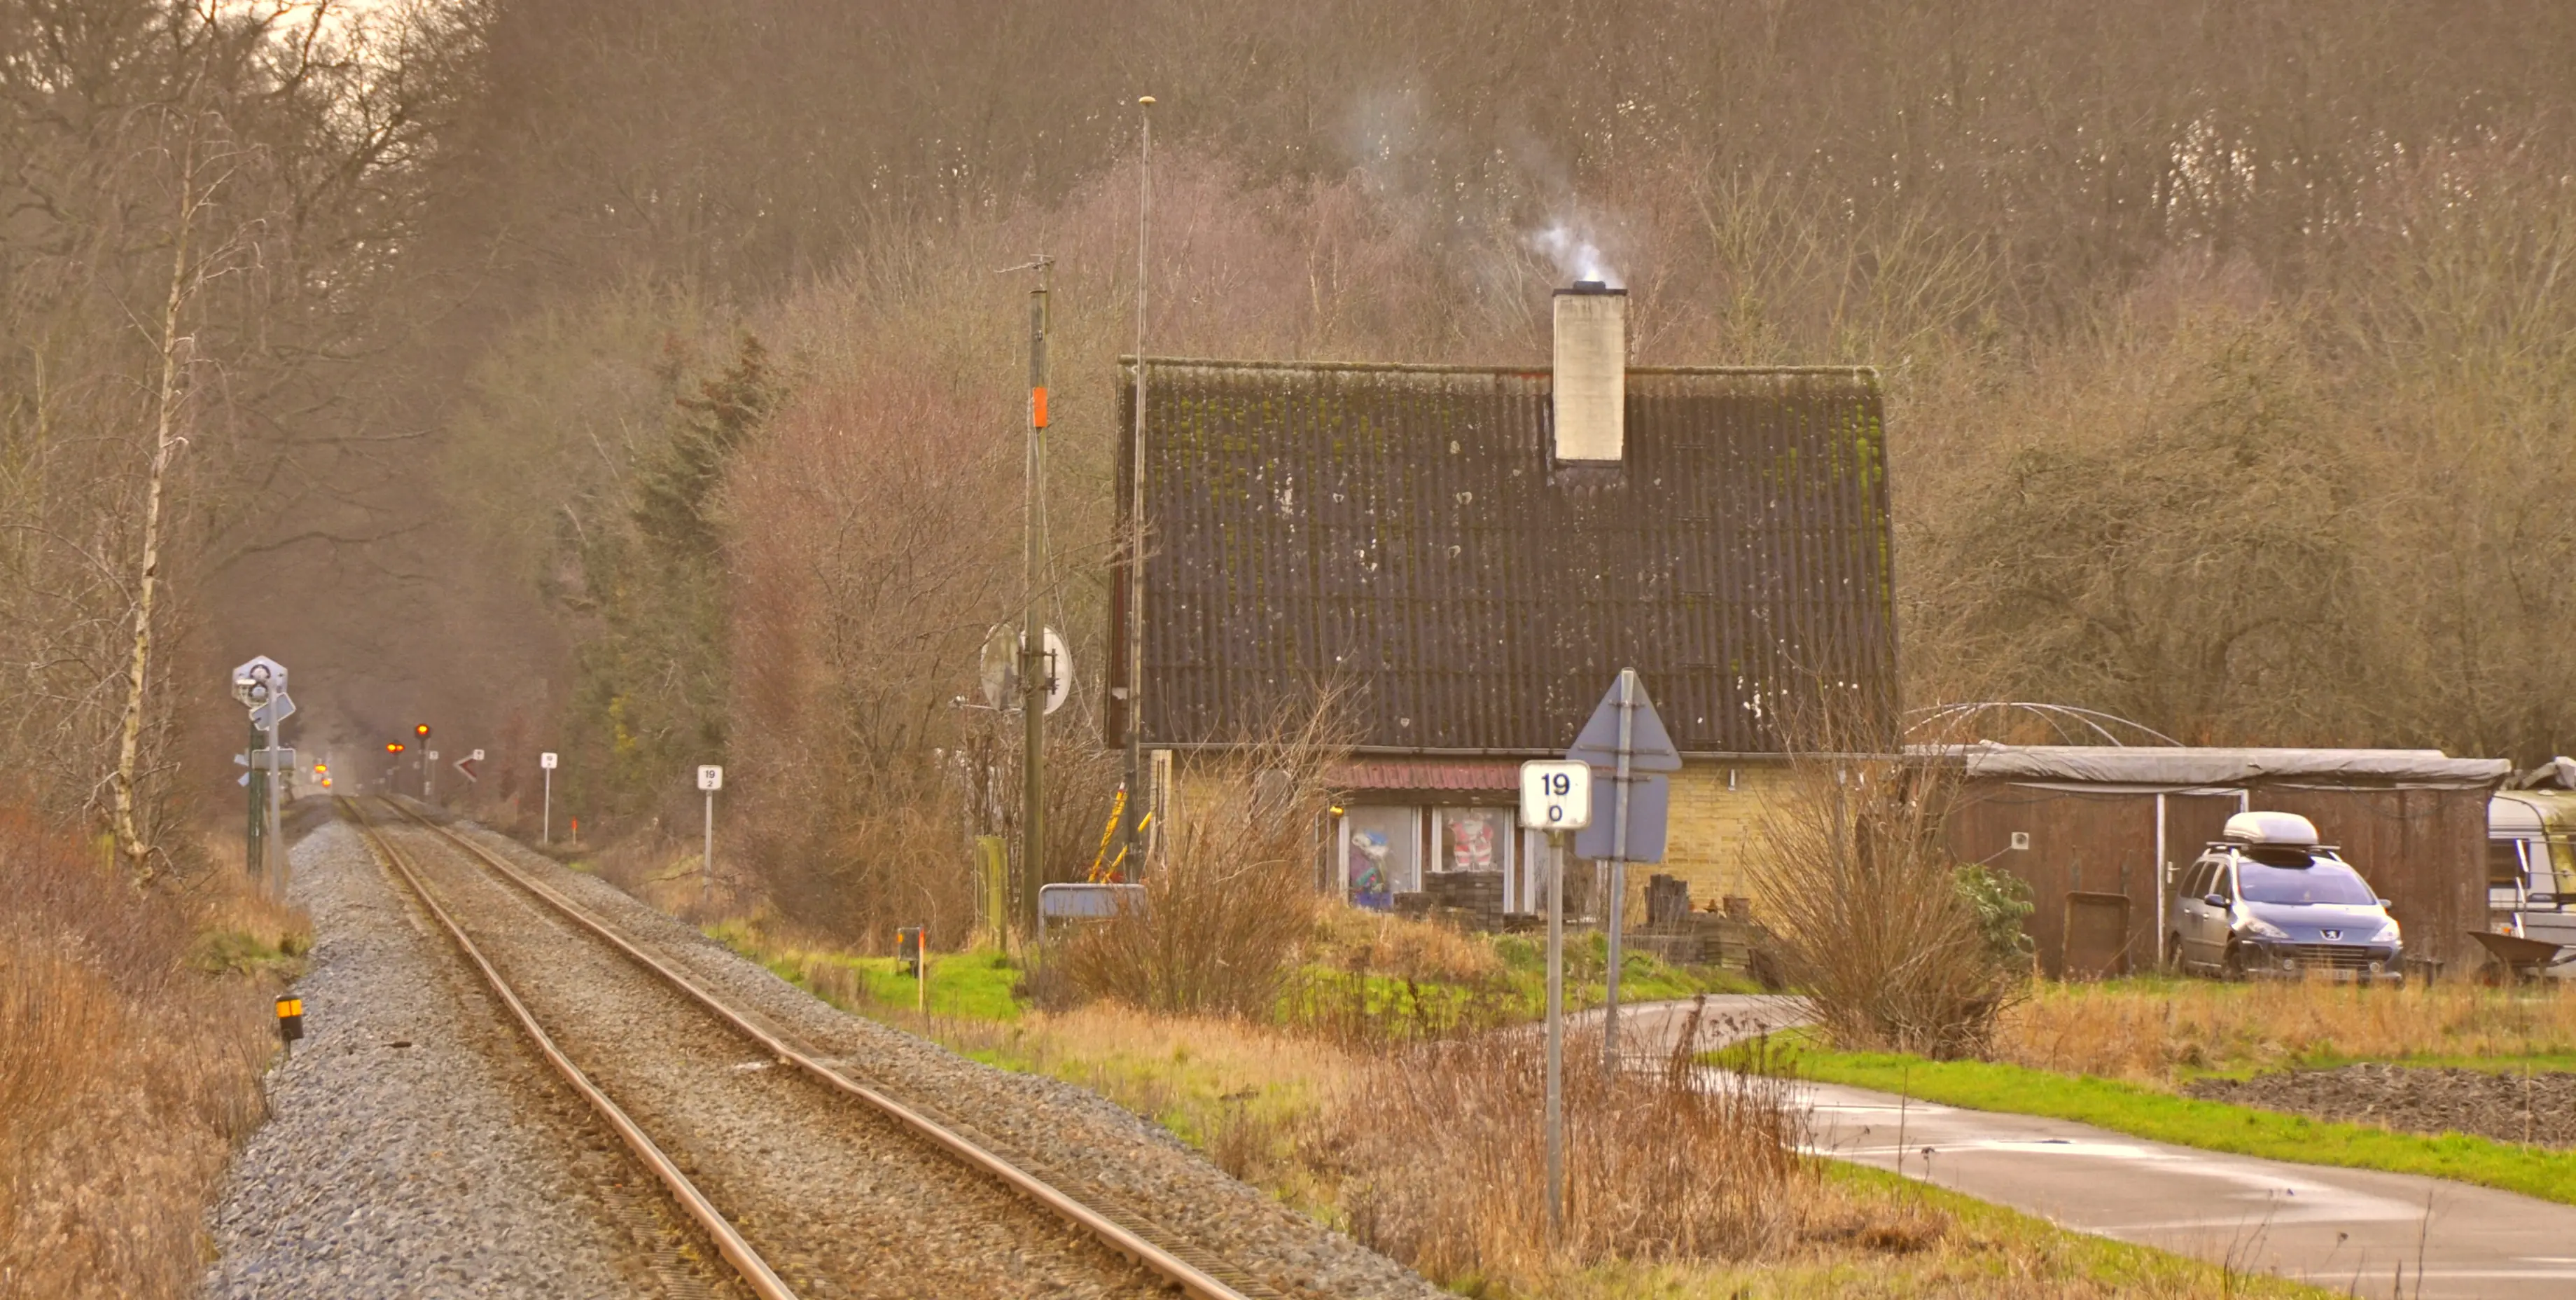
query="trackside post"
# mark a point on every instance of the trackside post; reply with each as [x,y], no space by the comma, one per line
[1556,796]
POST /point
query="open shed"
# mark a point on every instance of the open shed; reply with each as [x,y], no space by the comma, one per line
[2094,831]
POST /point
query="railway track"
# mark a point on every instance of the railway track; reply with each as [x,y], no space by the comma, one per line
[747,1147]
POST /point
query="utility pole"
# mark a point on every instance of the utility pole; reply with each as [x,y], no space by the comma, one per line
[1132,840]
[1037,669]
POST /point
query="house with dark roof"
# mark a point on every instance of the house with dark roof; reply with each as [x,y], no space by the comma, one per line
[1473,552]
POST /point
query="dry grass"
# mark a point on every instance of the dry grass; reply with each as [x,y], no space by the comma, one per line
[2146,1029]
[1229,898]
[1440,1154]
[1248,1096]
[1352,938]
[132,1032]
[1430,1153]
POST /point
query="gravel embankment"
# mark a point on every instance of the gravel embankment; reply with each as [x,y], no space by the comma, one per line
[2506,1107]
[1084,1143]
[415,1148]
[839,1199]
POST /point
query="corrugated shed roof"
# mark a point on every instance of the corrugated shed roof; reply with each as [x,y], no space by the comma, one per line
[2196,766]
[1404,529]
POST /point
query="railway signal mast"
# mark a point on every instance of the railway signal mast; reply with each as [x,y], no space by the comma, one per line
[260,686]
[427,757]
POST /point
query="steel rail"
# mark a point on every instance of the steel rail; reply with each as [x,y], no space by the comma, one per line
[1189,1277]
[756,1273]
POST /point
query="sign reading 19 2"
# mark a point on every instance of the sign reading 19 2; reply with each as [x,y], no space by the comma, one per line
[1556,795]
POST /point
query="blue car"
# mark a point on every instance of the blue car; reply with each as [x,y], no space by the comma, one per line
[2268,899]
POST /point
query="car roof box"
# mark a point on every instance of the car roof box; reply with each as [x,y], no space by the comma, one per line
[2287,829]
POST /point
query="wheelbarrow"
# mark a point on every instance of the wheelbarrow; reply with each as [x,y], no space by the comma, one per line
[2527,959]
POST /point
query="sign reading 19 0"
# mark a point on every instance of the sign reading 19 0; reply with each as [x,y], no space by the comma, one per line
[1556,795]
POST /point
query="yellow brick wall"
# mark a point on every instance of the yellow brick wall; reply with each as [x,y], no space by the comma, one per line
[1713,832]
[1711,837]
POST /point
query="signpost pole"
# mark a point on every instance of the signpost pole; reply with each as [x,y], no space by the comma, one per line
[1557,796]
[707,863]
[1618,866]
[1555,1038]
[546,819]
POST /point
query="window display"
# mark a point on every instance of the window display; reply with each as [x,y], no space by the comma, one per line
[1382,854]
[1475,839]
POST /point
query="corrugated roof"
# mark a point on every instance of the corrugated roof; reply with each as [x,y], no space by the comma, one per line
[1403,528]
[2197,766]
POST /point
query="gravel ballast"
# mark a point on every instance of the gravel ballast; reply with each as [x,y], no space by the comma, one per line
[1084,1143]
[419,1147]
[2540,1108]
[840,1200]
[415,1148]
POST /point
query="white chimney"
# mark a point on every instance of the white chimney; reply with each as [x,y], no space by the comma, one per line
[1591,381]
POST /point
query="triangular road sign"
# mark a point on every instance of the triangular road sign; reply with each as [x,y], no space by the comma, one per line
[1650,747]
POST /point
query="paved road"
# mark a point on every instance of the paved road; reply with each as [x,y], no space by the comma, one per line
[2346,1228]
[2350,1229]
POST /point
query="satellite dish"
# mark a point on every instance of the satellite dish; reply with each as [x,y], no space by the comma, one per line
[1061,660]
[1000,668]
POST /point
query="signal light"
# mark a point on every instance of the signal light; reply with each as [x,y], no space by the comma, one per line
[421,731]
[393,747]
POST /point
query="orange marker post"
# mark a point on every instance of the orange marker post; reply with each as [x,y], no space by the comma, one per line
[290,1020]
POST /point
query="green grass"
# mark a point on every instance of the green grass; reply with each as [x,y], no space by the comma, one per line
[979,985]
[970,986]
[239,952]
[2214,1126]
[1642,976]
[967,985]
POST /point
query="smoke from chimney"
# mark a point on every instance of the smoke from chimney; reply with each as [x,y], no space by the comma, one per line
[1575,254]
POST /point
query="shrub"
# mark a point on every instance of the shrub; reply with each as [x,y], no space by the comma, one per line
[1897,945]
[1229,898]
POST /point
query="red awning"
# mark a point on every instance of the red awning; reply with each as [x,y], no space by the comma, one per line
[1364,774]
